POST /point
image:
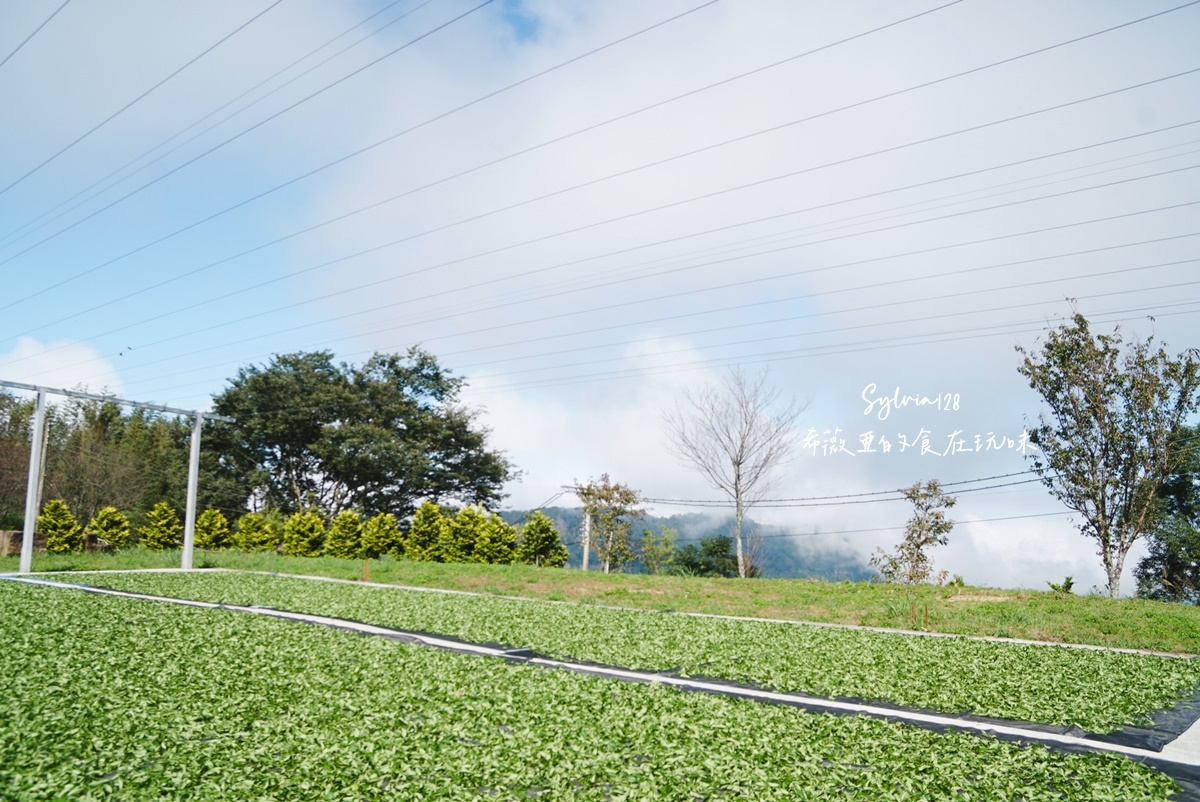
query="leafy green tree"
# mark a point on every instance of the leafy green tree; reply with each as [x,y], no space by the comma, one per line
[457,544]
[163,529]
[345,537]
[112,526]
[1171,570]
[929,526]
[381,535]
[657,551]
[612,508]
[255,533]
[540,543]
[1106,447]
[63,533]
[212,530]
[377,437]
[304,534]
[713,557]
[426,533]
[496,542]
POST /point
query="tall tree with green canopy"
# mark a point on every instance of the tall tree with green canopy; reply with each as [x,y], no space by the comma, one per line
[378,437]
[612,508]
[1171,570]
[1105,449]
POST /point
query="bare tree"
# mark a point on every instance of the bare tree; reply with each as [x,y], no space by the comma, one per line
[735,434]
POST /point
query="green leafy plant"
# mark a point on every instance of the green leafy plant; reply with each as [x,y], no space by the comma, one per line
[212,530]
[111,526]
[163,529]
[345,538]
[62,531]
[1064,589]
[304,534]
[929,526]
[426,533]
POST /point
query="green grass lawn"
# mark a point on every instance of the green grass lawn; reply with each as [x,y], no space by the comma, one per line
[1036,615]
[105,699]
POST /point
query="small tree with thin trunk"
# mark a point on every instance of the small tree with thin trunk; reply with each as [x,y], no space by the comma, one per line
[612,507]
[381,535]
[928,527]
[736,435]
[163,529]
[345,536]
[254,533]
[540,544]
[1106,447]
[426,533]
[304,534]
[212,530]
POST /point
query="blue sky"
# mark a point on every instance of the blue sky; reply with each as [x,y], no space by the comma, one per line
[587,209]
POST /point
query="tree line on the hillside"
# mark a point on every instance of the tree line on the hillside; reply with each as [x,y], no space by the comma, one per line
[435,534]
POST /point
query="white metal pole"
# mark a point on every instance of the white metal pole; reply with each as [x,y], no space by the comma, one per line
[189,517]
[587,536]
[31,487]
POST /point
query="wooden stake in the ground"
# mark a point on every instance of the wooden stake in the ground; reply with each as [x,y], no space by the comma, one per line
[927,616]
[914,614]
[366,571]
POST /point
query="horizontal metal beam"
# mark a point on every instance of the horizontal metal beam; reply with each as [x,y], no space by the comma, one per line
[112,399]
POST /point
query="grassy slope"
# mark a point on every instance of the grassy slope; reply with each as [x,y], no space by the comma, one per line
[1130,623]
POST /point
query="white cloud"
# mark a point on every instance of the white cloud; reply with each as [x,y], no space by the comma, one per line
[55,364]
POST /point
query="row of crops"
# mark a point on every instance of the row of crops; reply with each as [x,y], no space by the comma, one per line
[1098,691]
[108,698]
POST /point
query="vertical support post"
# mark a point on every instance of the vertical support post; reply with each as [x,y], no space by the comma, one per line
[31,488]
[189,516]
[587,536]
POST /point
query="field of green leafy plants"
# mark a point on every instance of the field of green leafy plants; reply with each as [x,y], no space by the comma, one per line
[107,698]
[1095,690]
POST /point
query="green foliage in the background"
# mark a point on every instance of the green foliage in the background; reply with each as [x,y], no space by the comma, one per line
[303,534]
[540,544]
[255,533]
[63,533]
[163,529]
[212,530]
[426,533]
[344,538]
[381,535]
[112,526]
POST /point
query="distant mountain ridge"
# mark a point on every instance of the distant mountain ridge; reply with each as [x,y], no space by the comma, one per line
[782,555]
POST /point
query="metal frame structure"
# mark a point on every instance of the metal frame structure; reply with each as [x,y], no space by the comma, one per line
[35,462]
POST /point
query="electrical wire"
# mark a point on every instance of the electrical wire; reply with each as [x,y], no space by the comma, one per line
[35,32]
[139,98]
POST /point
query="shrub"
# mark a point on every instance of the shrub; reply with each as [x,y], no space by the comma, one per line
[540,543]
[212,531]
[111,526]
[496,541]
[381,536]
[162,530]
[62,531]
[345,537]
[425,533]
[254,533]
[303,534]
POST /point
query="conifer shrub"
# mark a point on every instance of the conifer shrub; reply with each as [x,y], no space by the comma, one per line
[304,534]
[496,542]
[111,526]
[381,535]
[63,533]
[345,538]
[212,530]
[163,529]
[540,543]
[425,533]
[255,533]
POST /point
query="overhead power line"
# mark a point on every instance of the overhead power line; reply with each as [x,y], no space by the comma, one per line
[294,105]
[557,139]
[34,33]
[137,99]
